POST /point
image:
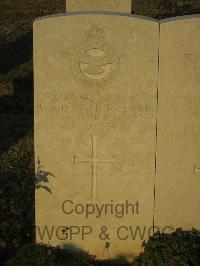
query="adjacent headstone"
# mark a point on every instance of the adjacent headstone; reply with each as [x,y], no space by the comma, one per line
[95,131]
[178,139]
[99,5]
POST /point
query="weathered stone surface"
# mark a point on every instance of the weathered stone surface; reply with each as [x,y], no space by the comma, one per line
[95,127]
[99,5]
[178,143]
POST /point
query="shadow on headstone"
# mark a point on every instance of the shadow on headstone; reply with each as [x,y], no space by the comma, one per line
[77,252]
[41,177]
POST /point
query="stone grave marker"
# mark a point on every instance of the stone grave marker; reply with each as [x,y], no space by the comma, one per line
[95,130]
[178,142]
[99,5]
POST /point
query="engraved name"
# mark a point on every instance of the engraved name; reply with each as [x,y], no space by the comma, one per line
[109,111]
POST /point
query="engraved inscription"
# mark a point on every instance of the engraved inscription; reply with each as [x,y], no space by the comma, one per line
[93,161]
[103,112]
[116,111]
[185,133]
[192,71]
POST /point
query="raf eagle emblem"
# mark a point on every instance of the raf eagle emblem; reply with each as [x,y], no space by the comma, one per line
[95,62]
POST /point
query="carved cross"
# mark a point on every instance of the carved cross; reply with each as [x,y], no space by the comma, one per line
[94,161]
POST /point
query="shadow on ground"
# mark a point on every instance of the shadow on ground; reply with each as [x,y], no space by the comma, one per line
[15,53]
[16,112]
